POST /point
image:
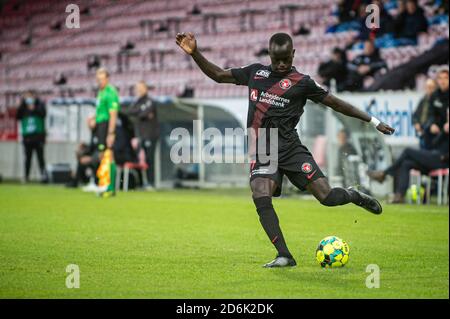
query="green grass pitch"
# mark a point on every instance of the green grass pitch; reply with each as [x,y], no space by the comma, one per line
[209,244]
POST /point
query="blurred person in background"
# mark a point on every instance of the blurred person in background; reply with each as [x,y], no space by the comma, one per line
[410,22]
[335,68]
[439,102]
[344,151]
[144,116]
[106,111]
[421,116]
[423,160]
[31,114]
[87,158]
[122,148]
[364,65]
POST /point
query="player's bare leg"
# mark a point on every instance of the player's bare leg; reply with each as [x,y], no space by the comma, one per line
[336,196]
[262,190]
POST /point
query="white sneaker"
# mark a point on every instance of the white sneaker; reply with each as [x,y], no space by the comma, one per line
[90,188]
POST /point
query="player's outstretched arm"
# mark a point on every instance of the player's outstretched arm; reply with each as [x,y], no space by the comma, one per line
[347,109]
[188,43]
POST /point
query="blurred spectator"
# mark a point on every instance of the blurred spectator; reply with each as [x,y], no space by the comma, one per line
[410,22]
[421,115]
[351,15]
[123,150]
[335,68]
[385,26]
[31,114]
[423,160]
[345,149]
[144,115]
[364,65]
[439,102]
[87,158]
[347,10]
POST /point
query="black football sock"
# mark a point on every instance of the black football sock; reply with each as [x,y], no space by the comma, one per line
[341,196]
[269,221]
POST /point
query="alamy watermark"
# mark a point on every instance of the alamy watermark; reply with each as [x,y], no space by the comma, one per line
[213,146]
[373,279]
[73,19]
[73,277]
[373,17]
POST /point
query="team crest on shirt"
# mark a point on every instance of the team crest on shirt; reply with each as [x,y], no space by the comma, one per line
[285,84]
[306,167]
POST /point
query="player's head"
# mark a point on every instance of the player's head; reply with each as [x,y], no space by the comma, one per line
[281,52]
[442,79]
[141,89]
[102,76]
[430,86]
[369,47]
[338,55]
[342,137]
[411,6]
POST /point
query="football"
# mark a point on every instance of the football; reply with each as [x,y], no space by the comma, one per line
[332,252]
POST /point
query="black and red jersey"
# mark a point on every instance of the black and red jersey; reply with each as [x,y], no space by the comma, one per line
[277,101]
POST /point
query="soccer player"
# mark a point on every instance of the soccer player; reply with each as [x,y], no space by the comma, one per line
[277,95]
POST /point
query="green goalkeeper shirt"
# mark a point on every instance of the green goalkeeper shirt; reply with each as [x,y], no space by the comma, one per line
[107,100]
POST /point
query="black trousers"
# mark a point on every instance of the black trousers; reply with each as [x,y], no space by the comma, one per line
[29,148]
[149,147]
[422,160]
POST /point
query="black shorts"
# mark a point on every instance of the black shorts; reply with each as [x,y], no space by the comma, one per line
[100,134]
[301,171]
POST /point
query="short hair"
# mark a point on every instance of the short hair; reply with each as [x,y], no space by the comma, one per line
[281,39]
[104,71]
[442,70]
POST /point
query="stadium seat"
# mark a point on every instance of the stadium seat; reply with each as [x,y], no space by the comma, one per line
[126,168]
[442,176]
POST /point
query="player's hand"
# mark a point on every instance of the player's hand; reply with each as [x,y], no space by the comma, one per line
[187,42]
[435,129]
[110,140]
[385,129]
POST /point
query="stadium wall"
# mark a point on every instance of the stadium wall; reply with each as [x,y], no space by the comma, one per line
[65,133]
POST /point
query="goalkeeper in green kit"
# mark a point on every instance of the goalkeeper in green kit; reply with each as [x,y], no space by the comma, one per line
[106,113]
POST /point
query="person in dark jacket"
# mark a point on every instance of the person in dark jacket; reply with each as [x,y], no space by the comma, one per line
[31,115]
[364,65]
[421,116]
[385,22]
[144,115]
[335,68]
[87,155]
[410,22]
[423,160]
[439,102]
